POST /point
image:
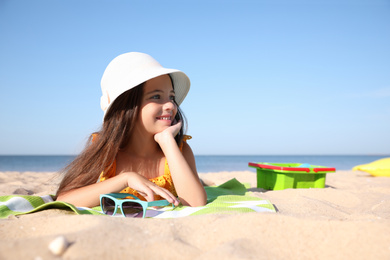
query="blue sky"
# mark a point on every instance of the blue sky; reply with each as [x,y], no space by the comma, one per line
[268,77]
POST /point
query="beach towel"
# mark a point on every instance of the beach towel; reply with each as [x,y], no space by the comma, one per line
[227,198]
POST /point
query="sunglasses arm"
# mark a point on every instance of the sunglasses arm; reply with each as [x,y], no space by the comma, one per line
[159,203]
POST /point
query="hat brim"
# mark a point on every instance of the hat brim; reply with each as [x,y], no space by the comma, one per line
[181,84]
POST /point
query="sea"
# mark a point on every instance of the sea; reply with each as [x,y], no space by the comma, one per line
[204,163]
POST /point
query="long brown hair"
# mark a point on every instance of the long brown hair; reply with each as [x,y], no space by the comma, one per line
[99,154]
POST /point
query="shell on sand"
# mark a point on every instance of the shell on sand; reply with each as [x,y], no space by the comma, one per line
[59,245]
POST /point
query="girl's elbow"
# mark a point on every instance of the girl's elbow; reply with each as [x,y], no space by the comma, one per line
[203,200]
[63,198]
[60,197]
[199,202]
[68,197]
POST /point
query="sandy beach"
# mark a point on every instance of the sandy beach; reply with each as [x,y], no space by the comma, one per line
[349,219]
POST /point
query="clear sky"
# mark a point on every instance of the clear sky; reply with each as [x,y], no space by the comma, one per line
[268,77]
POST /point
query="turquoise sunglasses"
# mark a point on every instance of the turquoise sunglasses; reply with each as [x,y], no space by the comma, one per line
[134,208]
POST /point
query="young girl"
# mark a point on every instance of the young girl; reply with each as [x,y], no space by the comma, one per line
[141,148]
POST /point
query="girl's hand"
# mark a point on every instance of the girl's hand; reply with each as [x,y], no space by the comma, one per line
[148,189]
[169,132]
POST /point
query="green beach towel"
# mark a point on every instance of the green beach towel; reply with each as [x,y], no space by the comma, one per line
[230,197]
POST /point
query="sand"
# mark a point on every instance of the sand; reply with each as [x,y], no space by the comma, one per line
[349,219]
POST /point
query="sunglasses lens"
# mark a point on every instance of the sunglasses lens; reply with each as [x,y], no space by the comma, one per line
[108,206]
[132,209]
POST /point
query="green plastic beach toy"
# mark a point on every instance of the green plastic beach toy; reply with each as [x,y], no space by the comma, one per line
[280,176]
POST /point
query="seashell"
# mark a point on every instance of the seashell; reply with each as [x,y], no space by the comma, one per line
[59,245]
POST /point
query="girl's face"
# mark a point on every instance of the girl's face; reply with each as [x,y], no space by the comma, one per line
[158,108]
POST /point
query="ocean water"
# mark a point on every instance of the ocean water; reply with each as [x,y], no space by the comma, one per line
[204,163]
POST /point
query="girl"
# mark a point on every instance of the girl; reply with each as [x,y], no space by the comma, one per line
[142,133]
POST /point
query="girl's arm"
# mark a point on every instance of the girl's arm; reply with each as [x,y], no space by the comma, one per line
[88,196]
[183,169]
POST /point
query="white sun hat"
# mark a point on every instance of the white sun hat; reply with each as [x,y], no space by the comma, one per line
[130,69]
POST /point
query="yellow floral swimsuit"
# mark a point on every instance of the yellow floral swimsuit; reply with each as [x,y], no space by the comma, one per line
[164,181]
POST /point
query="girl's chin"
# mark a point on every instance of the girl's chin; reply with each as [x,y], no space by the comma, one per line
[160,129]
